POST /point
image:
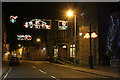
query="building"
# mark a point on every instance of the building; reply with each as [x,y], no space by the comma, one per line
[31,53]
[61,44]
[5,45]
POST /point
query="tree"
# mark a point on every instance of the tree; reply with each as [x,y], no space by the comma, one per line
[113,39]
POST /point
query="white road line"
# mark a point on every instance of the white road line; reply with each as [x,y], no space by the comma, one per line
[34,67]
[42,71]
[55,78]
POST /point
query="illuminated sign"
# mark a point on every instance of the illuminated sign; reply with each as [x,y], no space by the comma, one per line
[80,33]
[86,36]
[93,35]
[13,19]
[37,24]
[24,37]
[62,25]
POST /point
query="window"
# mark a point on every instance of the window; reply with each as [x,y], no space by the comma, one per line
[55,52]
[72,50]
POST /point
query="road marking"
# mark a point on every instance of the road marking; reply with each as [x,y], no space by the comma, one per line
[42,71]
[7,73]
[34,67]
[55,77]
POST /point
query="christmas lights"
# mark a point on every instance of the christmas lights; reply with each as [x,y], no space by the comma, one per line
[113,38]
[80,33]
[24,37]
[37,24]
[13,19]
[62,25]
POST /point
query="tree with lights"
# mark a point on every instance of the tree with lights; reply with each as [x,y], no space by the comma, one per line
[113,39]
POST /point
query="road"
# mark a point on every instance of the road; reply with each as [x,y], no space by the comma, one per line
[46,71]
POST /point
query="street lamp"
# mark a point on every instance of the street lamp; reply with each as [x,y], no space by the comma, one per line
[87,36]
[91,56]
[19,45]
[70,13]
[38,39]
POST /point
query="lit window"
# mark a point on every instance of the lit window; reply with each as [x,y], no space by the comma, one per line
[55,52]
[74,45]
[72,50]
[70,45]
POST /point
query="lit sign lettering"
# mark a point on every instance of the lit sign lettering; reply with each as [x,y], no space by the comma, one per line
[38,24]
[13,19]
[62,25]
[24,37]
[93,35]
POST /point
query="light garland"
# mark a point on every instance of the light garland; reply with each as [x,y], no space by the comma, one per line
[13,19]
[37,24]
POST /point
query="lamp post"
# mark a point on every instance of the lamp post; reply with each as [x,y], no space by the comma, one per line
[90,57]
[70,13]
[38,40]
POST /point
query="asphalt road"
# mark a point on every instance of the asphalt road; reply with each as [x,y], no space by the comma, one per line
[46,71]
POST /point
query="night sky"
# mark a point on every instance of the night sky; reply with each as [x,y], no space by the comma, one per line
[34,10]
[38,10]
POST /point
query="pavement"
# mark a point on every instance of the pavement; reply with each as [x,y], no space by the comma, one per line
[108,71]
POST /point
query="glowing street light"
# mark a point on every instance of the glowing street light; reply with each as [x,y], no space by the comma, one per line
[38,39]
[19,45]
[20,53]
[70,13]
[44,48]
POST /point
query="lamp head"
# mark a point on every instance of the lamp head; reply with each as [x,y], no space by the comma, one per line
[70,13]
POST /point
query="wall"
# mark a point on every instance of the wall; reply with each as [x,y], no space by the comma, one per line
[84,47]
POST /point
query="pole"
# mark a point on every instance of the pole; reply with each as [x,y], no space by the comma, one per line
[90,57]
[75,38]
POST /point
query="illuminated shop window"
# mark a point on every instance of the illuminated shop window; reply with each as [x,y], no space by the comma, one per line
[72,50]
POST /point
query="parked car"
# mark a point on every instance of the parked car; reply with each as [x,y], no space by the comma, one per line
[14,61]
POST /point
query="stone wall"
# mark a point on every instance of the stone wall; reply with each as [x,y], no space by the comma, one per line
[84,47]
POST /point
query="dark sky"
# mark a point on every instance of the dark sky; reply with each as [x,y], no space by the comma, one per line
[39,10]
[34,10]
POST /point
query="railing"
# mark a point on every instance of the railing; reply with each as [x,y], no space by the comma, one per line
[67,61]
[115,62]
